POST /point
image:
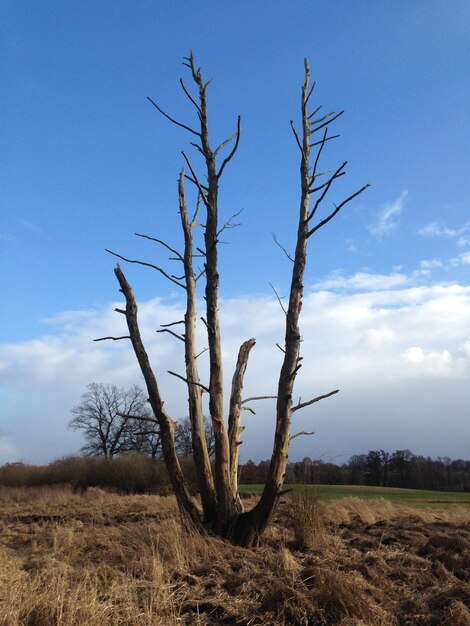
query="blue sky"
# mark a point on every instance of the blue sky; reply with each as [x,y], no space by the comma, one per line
[88,162]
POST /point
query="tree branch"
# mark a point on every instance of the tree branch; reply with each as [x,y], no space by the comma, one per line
[196,181]
[315,189]
[191,130]
[190,96]
[113,338]
[167,330]
[321,141]
[192,223]
[155,267]
[192,180]
[337,209]
[325,191]
[234,426]
[299,434]
[180,256]
[166,424]
[200,353]
[301,405]
[282,247]
[278,298]
[229,158]
[257,398]
[296,136]
[203,387]
[229,224]
[143,418]
[309,117]
[329,121]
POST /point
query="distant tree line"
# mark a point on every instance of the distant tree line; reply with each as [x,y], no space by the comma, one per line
[126,473]
[378,468]
[135,472]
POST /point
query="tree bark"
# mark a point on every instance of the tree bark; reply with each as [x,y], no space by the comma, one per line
[167,425]
[201,456]
[234,427]
[226,507]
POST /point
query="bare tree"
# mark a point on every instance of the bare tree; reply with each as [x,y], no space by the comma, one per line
[184,437]
[222,510]
[115,421]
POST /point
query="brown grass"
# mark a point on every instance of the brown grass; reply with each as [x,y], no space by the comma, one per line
[100,558]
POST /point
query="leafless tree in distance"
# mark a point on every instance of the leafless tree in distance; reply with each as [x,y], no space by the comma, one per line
[222,509]
[115,421]
[184,437]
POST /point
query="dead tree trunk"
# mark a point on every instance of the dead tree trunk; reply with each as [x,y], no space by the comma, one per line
[201,456]
[221,504]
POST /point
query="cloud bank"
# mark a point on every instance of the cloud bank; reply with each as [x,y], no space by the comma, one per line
[398,352]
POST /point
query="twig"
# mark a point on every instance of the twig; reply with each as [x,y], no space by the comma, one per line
[279,299]
[228,224]
[282,247]
[202,352]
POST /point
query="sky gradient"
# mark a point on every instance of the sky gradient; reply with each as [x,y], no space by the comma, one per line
[88,162]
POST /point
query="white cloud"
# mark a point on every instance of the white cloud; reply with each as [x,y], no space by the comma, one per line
[387,219]
[434,363]
[461,259]
[430,264]
[363,281]
[400,355]
[436,229]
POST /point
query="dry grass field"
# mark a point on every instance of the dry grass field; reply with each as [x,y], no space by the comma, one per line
[100,558]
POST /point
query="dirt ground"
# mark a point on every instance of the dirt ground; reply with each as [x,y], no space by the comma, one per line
[100,558]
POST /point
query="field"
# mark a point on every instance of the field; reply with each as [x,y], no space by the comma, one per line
[106,559]
[412,497]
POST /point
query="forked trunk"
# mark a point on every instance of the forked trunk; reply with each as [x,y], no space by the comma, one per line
[222,508]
